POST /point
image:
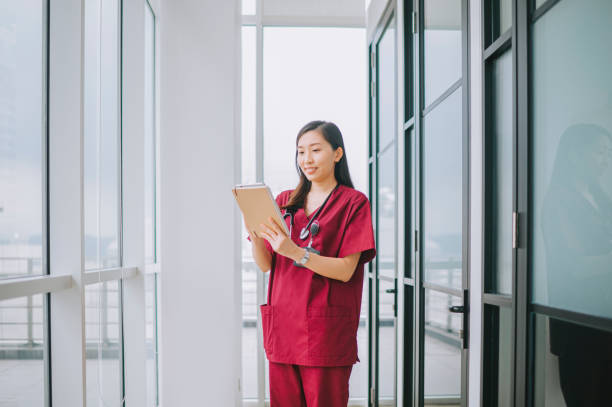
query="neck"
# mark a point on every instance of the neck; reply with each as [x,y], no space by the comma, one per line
[324,186]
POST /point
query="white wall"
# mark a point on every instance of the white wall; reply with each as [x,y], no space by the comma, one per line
[199,135]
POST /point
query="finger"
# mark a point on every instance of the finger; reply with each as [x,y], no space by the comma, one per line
[268,230]
[266,236]
[276,226]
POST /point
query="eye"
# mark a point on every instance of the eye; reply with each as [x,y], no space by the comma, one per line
[300,152]
[316,150]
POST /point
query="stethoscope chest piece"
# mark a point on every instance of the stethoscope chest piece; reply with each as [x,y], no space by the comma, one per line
[304,233]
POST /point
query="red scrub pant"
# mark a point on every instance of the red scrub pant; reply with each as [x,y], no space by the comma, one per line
[308,386]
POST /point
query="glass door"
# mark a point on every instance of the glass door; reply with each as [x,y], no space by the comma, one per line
[441,217]
[383,193]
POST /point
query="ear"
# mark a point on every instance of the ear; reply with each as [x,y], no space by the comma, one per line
[338,154]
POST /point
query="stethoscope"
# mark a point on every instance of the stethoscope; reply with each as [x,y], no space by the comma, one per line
[312,228]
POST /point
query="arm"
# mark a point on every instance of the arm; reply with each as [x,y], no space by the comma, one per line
[341,269]
[262,256]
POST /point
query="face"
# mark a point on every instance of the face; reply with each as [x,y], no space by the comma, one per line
[316,157]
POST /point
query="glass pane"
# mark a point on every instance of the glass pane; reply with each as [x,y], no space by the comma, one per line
[22,364]
[386,343]
[442,349]
[571,147]
[102,343]
[22,131]
[248,7]
[249,58]
[298,90]
[410,201]
[386,87]
[151,338]
[102,134]
[249,268]
[572,364]
[358,384]
[498,356]
[442,46]
[150,137]
[499,176]
[442,183]
[387,218]
[500,18]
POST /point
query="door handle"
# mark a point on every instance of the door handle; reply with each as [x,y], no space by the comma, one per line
[459,309]
[390,290]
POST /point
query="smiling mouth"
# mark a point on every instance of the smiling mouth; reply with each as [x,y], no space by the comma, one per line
[310,170]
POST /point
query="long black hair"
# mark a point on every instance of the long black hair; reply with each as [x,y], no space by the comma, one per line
[332,135]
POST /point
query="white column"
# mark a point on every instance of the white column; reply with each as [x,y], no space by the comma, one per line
[66,200]
[201,277]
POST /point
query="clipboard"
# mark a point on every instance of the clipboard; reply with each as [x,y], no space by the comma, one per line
[257,205]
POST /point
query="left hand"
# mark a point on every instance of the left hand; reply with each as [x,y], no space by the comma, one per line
[278,239]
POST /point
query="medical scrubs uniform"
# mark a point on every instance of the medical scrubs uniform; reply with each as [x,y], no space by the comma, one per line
[310,321]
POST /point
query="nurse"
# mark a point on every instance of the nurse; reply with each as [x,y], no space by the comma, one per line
[314,295]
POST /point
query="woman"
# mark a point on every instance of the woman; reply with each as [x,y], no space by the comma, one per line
[577,231]
[314,297]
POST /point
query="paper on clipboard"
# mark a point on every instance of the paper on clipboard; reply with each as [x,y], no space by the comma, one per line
[257,205]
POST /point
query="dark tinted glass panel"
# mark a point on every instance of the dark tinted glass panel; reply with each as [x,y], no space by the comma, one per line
[573,364]
[442,350]
[22,130]
[497,376]
[499,17]
[442,46]
[499,175]
[410,201]
[386,344]
[386,87]
[442,183]
[571,148]
[387,217]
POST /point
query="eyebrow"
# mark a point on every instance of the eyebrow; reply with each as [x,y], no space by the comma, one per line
[310,145]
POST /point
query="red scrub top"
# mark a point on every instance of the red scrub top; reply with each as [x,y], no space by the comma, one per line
[312,320]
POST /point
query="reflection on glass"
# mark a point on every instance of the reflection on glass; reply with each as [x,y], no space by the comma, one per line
[442,46]
[572,364]
[386,342]
[442,348]
[498,351]
[500,175]
[387,219]
[102,344]
[386,87]
[22,364]
[102,134]
[442,183]
[310,74]
[149,136]
[571,145]
[151,339]
[22,95]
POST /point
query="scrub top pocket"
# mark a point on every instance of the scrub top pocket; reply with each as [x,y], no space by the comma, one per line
[331,335]
[267,321]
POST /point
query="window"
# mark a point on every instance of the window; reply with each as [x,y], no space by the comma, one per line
[102,135]
[22,138]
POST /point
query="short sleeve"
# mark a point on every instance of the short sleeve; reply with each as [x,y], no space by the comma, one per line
[358,235]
